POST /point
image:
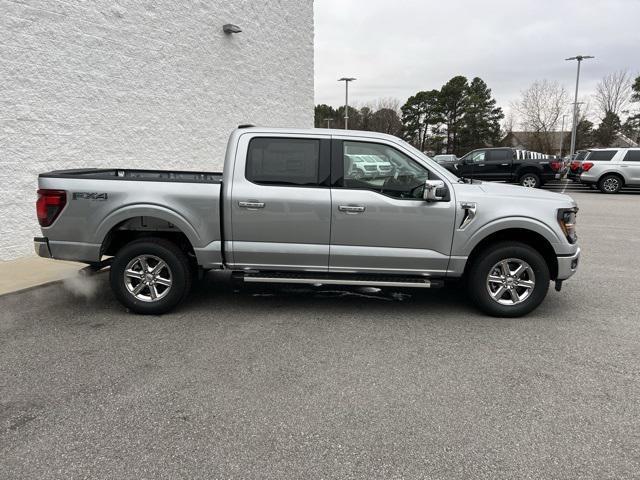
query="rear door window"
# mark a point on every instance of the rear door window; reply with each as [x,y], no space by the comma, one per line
[283,161]
[498,156]
[632,156]
[601,155]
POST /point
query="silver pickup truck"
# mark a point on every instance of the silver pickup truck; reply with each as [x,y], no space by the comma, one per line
[290,208]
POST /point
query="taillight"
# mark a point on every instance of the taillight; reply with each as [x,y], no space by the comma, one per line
[586,166]
[555,165]
[49,205]
[575,165]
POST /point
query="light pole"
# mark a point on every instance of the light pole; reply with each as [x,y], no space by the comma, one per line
[579,58]
[328,120]
[346,81]
[561,135]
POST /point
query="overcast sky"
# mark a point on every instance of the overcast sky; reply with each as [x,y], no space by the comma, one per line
[398,47]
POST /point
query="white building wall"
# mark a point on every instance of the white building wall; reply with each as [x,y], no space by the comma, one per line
[149,84]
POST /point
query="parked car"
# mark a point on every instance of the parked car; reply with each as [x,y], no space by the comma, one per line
[289,208]
[446,159]
[611,168]
[529,169]
[575,167]
[362,166]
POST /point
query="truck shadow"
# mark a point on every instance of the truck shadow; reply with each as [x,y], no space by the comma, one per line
[217,288]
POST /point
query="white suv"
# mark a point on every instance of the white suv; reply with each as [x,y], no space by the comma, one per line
[611,168]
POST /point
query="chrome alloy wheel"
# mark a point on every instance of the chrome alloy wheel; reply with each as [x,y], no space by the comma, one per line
[511,281]
[611,184]
[529,182]
[148,278]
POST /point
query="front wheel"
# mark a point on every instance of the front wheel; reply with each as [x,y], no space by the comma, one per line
[530,180]
[150,276]
[508,279]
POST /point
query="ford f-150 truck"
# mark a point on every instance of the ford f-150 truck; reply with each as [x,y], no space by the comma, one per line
[289,208]
[529,169]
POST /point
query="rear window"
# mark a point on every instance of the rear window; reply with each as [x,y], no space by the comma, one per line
[283,161]
[601,155]
[632,156]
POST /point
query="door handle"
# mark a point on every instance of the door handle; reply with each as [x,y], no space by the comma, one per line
[481,165]
[624,166]
[504,164]
[251,205]
[351,208]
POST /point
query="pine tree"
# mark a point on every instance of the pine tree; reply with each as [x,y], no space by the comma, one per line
[419,113]
[480,126]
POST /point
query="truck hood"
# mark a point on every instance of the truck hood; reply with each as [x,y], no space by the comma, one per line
[503,190]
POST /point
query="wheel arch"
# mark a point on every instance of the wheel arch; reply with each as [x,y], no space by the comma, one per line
[612,172]
[529,237]
[134,222]
[524,169]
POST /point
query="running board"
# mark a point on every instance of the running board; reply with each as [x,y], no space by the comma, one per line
[356,280]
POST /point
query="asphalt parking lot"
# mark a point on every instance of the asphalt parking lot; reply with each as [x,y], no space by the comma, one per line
[323,383]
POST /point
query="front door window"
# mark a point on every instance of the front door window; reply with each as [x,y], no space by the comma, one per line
[383,169]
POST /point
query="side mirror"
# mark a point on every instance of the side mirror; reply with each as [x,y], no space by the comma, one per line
[434,190]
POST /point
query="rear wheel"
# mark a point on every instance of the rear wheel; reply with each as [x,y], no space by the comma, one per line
[530,180]
[610,184]
[150,276]
[508,279]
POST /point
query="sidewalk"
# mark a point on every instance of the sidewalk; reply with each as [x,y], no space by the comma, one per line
[30,272]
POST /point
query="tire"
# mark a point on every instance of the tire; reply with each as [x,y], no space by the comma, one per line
[610,183]
[530,287]
[170,283]
[530,180]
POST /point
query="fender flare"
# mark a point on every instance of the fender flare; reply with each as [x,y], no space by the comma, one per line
[147,210]
[613,172]
[508,223]
[528,168]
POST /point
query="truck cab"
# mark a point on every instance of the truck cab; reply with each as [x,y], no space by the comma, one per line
[488,164]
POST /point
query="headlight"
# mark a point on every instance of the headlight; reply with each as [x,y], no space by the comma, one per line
[567,221]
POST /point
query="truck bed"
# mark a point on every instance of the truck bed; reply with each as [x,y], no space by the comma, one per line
[137,175]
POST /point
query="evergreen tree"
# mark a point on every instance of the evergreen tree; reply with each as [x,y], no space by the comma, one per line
[453,98]
[584,135]
[419,113]
[480,125]
[631,127]
[321,113]
[608,129]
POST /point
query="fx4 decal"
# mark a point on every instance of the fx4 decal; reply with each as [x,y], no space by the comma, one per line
[89,196]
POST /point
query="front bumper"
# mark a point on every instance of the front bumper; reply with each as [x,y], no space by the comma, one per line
[567,265]
[41,246]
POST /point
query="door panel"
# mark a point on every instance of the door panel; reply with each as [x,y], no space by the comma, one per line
[497,165]
[631,167]
[390,235]
[383,225]
[275,226]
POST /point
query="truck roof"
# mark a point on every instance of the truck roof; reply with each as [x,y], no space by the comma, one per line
[316,131]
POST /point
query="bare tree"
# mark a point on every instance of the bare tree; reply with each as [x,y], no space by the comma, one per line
[540,109]
[613,93]
[509,123]
[389,103]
